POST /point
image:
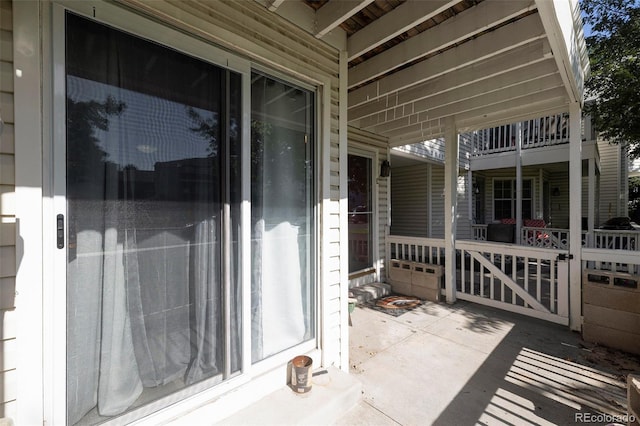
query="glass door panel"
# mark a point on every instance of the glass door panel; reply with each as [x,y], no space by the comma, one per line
[282,216]
[152,145]
[360,213]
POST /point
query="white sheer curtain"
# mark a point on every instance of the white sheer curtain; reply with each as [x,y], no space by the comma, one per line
[145,190]
[282,216]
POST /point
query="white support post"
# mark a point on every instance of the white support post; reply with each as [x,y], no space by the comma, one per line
[575,218]
[518,181]
[450,206]
[344,210]
[429,200]
[470,195]
[540,207]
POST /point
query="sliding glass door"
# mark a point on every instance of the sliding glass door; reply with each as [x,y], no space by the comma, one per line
[153,213]
[190,224]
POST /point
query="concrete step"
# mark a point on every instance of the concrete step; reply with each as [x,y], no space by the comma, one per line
[369,292]
[332,395]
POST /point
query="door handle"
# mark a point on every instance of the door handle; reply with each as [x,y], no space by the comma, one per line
[60,231]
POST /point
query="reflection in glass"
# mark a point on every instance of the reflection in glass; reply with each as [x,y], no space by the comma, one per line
[151,135]
[282,290]
[360,213]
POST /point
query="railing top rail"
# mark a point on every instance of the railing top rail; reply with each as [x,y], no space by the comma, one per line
[545,229]
[434,242]
[617,231]
[512,249]
[608,255]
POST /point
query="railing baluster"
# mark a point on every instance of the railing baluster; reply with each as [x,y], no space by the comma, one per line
[552,286]
[539,280]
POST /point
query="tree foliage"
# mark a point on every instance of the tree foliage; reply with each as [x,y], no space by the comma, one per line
[614,53]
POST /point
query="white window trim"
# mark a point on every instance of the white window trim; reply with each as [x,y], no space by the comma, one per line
[53,301]
[534,188]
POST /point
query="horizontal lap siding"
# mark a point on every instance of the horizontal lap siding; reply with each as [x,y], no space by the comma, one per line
[409,200]
[8,385]
[249,29]
[609,182]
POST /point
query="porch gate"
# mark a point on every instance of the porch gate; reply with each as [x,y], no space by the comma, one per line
[527,280]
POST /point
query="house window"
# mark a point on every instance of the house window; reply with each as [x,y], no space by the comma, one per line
[504,198]
[154,189]
[360,213]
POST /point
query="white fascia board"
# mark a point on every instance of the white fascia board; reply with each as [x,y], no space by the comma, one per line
[460,27]
[564,32]
[527,30]
[394,23]
[304,17]
[523,63]
[493,161]
[333,13]
[462,99]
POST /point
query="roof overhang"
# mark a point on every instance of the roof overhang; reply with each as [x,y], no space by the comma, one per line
[413,63]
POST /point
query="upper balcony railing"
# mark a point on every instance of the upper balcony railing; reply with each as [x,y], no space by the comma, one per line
[545,131]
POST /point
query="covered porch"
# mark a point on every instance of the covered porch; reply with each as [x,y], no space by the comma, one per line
[468,364]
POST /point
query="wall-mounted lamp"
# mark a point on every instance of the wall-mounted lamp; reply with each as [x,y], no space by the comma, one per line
[385,169]
[556,191]
[476,188]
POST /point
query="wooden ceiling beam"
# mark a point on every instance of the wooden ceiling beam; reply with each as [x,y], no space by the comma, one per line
[470,22]
[526,30]
[332,14]
[467,82]
[399,20]
[380,123]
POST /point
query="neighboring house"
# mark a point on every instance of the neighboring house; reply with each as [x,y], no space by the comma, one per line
[187,189]
[491,168]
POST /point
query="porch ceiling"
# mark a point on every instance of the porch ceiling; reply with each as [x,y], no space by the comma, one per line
[484,62]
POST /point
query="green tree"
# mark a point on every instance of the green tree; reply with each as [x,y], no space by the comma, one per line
[614,52]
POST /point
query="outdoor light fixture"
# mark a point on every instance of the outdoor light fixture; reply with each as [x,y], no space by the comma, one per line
[385,169]
[556,191]
[476,188]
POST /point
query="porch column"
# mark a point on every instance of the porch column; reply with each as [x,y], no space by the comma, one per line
[470,195]
[575,217]
[518,181]
[429,201]
[451,158]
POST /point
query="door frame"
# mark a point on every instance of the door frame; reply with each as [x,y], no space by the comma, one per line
[53,307]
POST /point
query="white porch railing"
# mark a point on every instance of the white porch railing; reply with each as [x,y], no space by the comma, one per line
[479,232]
[616,240]
[626,261]
[527,280]
[558,238]
[545,131]
[415,249]
[554,238]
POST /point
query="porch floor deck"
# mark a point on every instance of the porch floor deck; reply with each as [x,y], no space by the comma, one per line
[467,364]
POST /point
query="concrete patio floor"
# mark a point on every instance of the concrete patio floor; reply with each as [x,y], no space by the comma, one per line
[465,364]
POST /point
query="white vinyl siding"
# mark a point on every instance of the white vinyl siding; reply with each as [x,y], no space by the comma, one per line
[612,188]
[381,188]
[8,382]
[409,201]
